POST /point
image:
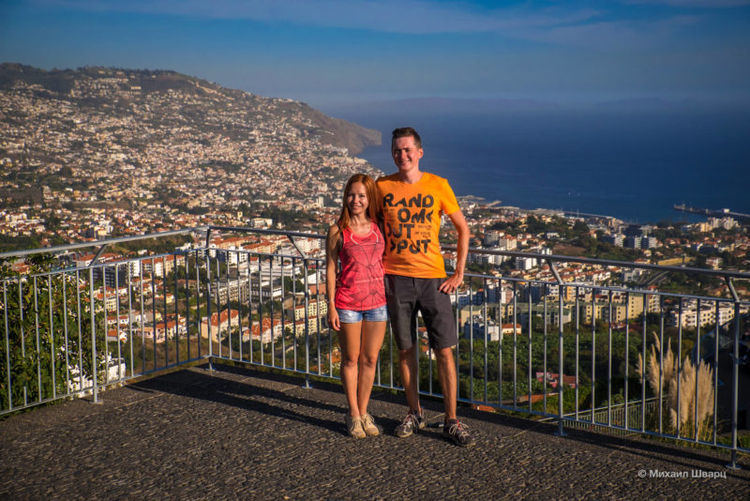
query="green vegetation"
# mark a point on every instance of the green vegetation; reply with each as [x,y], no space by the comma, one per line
[42,346]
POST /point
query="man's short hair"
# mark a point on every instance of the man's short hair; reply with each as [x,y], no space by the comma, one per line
[406,132]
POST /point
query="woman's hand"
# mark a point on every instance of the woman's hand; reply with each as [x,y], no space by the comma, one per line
[333,319]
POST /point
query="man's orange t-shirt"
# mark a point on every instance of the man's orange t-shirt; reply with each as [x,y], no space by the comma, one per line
[412,224]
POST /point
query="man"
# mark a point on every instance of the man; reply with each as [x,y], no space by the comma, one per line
[415,280]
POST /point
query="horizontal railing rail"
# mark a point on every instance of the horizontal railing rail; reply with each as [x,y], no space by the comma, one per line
[641,361]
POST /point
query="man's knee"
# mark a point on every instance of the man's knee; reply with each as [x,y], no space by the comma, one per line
[407,354]
[444,355]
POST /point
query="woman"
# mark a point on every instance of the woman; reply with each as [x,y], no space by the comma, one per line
[356,297]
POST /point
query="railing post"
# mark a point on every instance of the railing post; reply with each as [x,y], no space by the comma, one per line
[208,310]
[560,381]
[735,381]
[93,337]
[307,384]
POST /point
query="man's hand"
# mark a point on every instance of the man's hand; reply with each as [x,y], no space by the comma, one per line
[452,283]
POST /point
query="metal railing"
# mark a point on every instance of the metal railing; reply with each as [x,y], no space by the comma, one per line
[584,354]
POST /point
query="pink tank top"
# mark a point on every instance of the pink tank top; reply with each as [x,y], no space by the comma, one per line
[359,285]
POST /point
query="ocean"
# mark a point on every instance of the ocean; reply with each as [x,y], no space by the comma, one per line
[634,165]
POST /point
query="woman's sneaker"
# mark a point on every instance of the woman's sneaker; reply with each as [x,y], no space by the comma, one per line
[411,423]
[368,424]
[354,427]
[455,430]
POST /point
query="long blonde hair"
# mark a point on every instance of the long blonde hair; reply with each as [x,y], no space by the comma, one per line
[373,204]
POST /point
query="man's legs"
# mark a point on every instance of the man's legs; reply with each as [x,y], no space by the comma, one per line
[447,375]
[407,364]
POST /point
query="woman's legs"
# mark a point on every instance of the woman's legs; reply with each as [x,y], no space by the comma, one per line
[349,339]
[372,339]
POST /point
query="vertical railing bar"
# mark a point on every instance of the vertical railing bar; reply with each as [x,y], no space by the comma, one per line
[117,321]
[418,340]
[65,330]
[23,338]
[141,321]
[627,355]
[223,307]
[318,309]
[735,382]
[306,300]
[486,328]
[499,317]
[458,346]
[429,368]
[294,311]
[561,371]
[217,295]
[317,326]
[7,345]
[209,319]
[249,300]
[390,353]
[609,361]
[678,363]
[93,336]
[176,300]
[661,363]
[79,319]
[501,339]
[187,304]
[643,359]
[199,334]
[515,344]
[165,317]
[260,309]
[531,326]
[106,331]
[273,337]
[545,293]
[578,342]
[228,291]
[283,326]
[593,353]
[471,342]
[38,348]
[130,317]
[51,337]
[715,382]
[153,306]
[250,304]
[697,361]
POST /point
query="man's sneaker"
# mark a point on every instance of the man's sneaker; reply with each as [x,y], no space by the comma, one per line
[354,426]
[368,424]
[458,432]
[411,423]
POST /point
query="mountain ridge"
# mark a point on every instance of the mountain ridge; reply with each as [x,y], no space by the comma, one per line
[330,130]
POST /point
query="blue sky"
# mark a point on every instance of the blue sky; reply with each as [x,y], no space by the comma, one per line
[343,51]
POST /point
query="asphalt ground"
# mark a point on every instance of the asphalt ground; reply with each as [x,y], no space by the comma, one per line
[237,433]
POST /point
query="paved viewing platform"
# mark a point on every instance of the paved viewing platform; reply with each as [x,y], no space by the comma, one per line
[248,434]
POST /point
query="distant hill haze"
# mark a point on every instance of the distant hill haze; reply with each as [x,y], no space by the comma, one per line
[140,83]
[159,142]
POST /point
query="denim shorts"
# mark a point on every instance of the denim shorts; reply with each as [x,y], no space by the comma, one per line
[374,315]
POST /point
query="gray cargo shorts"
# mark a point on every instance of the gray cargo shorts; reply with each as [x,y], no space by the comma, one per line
[406,296]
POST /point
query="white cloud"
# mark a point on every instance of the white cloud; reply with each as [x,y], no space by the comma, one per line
[561,26]
[640,34]
[708,4]
[396,16]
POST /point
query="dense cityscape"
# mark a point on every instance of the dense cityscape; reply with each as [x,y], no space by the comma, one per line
[102,153]
[182,318]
